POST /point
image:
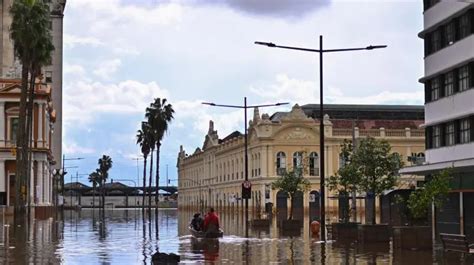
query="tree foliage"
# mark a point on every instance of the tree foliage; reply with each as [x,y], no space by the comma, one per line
[347,177]
[291,182]
[434,191]
[376,165]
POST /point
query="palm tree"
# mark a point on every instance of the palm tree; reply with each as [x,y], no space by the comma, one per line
[94,178]
[143,141]
[32,44]
[105,163]
[161,114]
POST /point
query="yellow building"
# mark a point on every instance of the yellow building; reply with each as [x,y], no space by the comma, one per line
[213,175]
[40,188]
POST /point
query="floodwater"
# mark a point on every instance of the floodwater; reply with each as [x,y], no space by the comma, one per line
[128,237]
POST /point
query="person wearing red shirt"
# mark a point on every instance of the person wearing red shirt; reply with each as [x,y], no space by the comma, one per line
[211,222]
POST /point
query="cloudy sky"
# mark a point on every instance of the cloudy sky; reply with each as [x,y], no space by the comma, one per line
[121,54]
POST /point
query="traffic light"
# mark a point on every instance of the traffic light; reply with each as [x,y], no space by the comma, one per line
[246,190]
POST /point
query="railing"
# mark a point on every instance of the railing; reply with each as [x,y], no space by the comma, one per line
[404,133]
[34,144]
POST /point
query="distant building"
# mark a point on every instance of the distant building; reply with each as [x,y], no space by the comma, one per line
[212,175]
[449,108]
[41,184]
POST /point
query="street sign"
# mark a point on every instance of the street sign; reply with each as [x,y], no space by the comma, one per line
[246,189]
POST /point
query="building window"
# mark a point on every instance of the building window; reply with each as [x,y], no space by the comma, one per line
[464,131]
[429,3]
[464,26]
[49,76]
[436,41]
[448,84]
[313,164]
[435,89]
[449,134]
[436,136]
[449,33]
[281,163]
[13,129]
[463,78]
[298,161]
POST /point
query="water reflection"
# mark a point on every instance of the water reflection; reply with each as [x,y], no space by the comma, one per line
[132,236]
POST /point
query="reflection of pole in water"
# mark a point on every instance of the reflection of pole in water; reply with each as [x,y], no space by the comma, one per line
[323,253]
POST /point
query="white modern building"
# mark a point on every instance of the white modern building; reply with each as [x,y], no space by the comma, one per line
[448,35]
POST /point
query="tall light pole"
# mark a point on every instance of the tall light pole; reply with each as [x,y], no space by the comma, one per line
[245,107]
[321,51]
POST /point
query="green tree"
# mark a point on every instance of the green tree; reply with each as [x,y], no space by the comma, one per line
[143,136]
[291,182]
[346,179]
[377,167]
[105,164]
[32,44]
[434,191]
[159,115]
[94,178]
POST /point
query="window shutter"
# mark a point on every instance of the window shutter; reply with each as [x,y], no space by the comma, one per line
[427,91]
[455,80]
[471,126]
[428,135]
[457,132]
[441,86]
[442,128]
[471,74]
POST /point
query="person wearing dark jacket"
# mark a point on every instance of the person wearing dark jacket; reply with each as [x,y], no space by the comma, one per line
[196,223]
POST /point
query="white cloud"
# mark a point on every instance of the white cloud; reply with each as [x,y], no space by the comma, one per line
[106,68]
[72,148]
[287,89]
[71,41]
[74,69]
[85,100]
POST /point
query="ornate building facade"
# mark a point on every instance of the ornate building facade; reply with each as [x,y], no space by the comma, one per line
[212,175]
[41,182]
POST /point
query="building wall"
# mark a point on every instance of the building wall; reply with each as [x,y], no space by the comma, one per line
[214,175]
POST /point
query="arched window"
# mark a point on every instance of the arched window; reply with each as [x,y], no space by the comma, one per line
[313,164]
[298,161]
[280,163]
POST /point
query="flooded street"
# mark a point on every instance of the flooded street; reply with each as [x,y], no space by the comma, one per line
[127,237]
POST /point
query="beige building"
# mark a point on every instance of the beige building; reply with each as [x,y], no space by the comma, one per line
[41,182]
[213,175]
[10,67]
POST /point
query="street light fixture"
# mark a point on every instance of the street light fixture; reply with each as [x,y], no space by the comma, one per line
[321,109]
[245,107]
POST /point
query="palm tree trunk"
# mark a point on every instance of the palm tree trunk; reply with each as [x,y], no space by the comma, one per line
[29,130]
[150,179]
[291,208]
[20,139]
[144,182]
[157,176]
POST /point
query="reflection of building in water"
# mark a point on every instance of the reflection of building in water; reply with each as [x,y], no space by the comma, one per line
[41,183]
[449,110]
[212,175]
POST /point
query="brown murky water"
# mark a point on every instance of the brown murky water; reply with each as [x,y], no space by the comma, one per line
[127,237]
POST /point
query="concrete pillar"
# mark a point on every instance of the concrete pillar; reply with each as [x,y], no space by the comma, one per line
[2,124]
[32,183]
[40,125]
[39,183]
[3,187]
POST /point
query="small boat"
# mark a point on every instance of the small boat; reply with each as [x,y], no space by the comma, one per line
[209,234]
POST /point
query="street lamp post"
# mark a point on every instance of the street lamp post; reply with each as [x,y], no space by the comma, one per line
[245,107]
[321,51]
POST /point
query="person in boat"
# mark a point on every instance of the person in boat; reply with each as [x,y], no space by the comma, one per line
[197,221]
[211,222]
